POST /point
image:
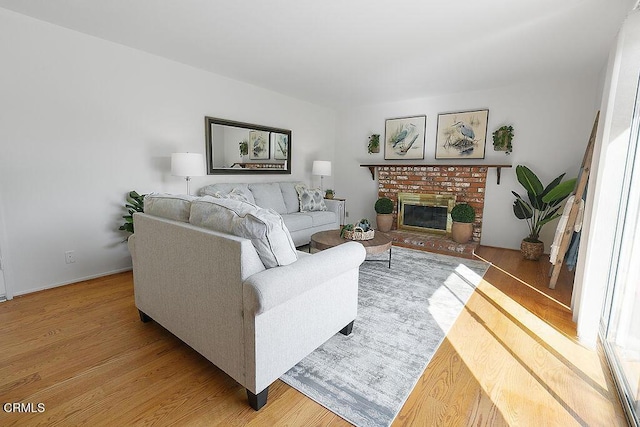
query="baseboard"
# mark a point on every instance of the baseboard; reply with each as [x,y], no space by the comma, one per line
[80,279]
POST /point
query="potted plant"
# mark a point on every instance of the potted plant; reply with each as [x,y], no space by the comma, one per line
[135,203]
[541,207]
[244,148]
[463,215]
[360,231]
[328,193]
[374,143]
[502,138]
[384,209]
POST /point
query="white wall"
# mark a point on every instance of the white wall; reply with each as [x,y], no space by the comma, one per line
[552,121]
[610,152]
[83,121]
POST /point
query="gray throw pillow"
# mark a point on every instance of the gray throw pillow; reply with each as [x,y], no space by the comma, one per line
[311,199]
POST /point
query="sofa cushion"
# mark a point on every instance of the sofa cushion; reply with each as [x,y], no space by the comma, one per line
[311,199]
[297,221]
[290,196]
[319,218]
[264,227]
[226,188]
[170,206]
[268,196]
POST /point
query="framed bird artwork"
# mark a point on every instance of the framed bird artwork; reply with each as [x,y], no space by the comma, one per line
[258,145]
[404,138]
[462,135]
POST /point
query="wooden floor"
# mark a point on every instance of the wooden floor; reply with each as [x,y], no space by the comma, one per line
[511,358]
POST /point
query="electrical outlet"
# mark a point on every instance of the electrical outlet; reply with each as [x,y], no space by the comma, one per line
[70,257]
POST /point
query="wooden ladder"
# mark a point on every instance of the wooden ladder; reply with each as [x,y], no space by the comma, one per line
[583,178]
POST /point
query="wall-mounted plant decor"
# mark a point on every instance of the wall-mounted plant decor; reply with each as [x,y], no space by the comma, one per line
[244,147]
[404,138]
[462,135]
[374,143]
[502,138]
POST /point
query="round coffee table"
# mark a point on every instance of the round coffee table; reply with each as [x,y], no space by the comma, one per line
[328,239]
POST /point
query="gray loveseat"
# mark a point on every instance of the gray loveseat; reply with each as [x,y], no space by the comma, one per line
[213,290]
[282,197]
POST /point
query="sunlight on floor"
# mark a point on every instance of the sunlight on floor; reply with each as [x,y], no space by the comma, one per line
[461,279]
[544,367]
[533,288]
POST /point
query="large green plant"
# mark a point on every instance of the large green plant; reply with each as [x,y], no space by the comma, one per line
[135,203]
[543,204]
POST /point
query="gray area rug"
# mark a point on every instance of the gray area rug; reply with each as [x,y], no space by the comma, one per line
[404,314]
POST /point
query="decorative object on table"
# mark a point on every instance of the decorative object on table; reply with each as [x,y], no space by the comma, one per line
[281,145]
[328,193]
[360,231]
[463,215]
[259,145]
[345,228]
[358,378]
[187,165]
[502,138]
[135,203]
[244,148]
[462,135]
[322,168]
[374,143]
[404,138]
[384,211]
[541,208]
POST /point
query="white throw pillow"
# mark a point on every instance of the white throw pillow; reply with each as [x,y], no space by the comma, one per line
[264,227]
[235,194]
[311,199]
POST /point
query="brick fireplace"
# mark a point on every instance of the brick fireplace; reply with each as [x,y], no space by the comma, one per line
[466,183]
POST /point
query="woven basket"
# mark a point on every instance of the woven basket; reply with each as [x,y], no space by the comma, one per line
[532,250]
[358,234]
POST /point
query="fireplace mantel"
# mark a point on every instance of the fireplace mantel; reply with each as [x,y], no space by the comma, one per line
[372,168]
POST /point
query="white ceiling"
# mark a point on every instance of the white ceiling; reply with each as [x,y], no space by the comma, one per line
[353,52]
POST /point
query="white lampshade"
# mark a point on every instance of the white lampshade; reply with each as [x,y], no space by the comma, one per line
[187,164]
[321,167]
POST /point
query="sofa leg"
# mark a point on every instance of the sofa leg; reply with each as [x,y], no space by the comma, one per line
[143,317]
[347,329]
[257,401]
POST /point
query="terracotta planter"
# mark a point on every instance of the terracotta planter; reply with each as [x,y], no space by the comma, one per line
[461,232]
[532,250]
[384,221]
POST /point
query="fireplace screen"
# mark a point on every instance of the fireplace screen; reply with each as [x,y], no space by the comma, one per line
[425,212]
[426,217]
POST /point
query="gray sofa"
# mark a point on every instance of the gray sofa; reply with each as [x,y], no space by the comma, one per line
[282,197]
[212,289]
